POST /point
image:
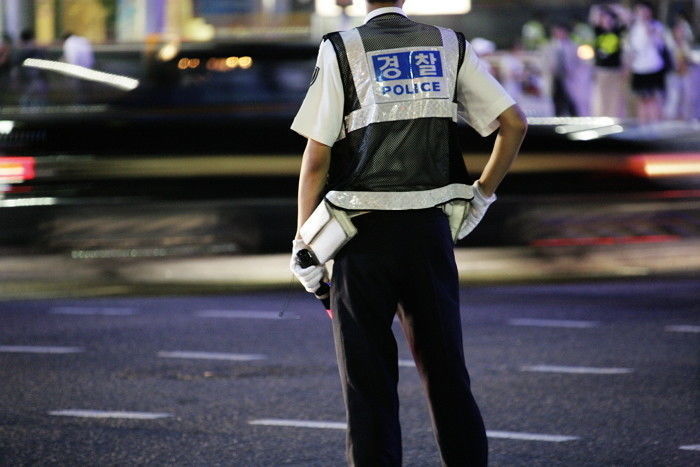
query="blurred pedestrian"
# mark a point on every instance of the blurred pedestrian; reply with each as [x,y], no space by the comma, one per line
[31,81]
[648,57]
[609,88]
[680,91]
[533,33]
[563,63]
[5,62]
[77,50]
[380,118]
[5,54]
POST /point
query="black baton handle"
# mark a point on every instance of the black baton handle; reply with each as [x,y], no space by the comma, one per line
[306,259]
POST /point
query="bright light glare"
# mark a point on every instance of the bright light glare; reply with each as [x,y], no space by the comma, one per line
[585,52]
[412,7]
[245,62]
[20,202]
[6,127]
[168,52]
[110,79]
[588,135]
[666,165]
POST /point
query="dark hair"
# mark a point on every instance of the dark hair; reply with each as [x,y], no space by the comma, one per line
[26,35]
[647,4]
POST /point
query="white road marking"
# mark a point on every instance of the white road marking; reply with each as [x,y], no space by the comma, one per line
[39,349]
[109,414]
[690,447]
[683,328]
[407,363]
[553,323]
[299,423]
[343,426]
[246,314]
[237,357]
[86,311]
[530,436]
[581,370]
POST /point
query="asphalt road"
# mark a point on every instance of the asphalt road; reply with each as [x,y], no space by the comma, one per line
[601,373]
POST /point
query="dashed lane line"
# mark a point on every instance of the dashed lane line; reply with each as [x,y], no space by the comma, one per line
[580,370]
[553,323]
[342,426]
[236,357]
[299,423]
[109,414]
[40,349]
[690,447]
[92,311]
[530,436]
[683,328]
[245,314]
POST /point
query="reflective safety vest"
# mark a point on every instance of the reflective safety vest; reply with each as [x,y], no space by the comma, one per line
[398,147]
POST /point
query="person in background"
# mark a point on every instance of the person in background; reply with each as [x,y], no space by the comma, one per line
[610,80]
[77,50]
[679,82]
[5,63]
[31,81]
[560,55]
[534,34]
[5,54]
[644,51]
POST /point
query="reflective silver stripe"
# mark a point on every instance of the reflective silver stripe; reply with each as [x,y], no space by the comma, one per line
[451,48]
[407,110]
[398,201]
[357,59]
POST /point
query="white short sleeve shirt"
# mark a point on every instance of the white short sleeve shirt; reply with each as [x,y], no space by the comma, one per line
[480,97]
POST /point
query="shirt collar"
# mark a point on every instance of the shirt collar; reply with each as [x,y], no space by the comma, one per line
[383,11]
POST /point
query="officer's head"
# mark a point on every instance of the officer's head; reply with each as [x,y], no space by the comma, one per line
[384,3]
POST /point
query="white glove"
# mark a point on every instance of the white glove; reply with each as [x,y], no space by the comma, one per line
[310,277]
[477,209]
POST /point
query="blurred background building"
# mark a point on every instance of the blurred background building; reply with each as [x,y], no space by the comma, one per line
[124,21]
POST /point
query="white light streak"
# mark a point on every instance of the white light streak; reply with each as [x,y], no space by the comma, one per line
[21,202]
[110,79]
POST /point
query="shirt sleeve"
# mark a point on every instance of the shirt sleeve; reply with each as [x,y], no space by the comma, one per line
[481,98]
[321,114]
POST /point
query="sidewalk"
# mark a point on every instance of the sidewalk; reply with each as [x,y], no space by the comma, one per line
[46,276]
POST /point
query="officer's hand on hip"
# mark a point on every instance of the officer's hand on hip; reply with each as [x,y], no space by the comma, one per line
[310,277]
[478,207]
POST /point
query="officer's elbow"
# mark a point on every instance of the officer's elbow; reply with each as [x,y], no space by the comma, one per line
[513,119]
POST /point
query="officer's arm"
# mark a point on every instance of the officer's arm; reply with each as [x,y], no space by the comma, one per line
[513,126]
[312,179]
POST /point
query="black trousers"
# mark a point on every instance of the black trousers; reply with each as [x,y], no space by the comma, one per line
[406,258]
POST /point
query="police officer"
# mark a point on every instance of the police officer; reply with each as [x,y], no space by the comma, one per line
[380,117]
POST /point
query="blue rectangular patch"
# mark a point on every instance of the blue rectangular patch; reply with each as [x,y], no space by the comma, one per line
[407,65]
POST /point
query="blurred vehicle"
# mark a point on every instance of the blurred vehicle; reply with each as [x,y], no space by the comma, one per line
[210,123]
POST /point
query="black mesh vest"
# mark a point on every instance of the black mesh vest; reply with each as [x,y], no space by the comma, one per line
[410,152]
